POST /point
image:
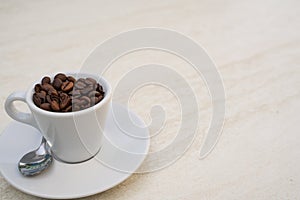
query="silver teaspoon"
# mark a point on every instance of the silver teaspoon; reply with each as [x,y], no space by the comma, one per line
[36,161]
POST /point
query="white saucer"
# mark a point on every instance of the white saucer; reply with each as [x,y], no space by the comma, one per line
[119,157]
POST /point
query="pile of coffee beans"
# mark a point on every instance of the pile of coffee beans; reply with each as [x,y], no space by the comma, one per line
[66,94]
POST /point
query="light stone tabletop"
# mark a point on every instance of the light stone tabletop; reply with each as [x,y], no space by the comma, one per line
[256,47]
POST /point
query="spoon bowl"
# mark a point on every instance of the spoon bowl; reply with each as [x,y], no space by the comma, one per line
[36,161]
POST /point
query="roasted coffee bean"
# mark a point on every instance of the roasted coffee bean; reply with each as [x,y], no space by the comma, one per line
[47,87]
[46,80]
[57,83]
[42,96]
[86,90]
[81,80]
[54,105]
[46,106]
[91,81]
[88,82]
[43,92]
[67,86]
[99,88]
[65,101]
[86,99]
[75,101]
[55,98]
[94,94]
[37,101]
[71,78]
[84,106]
[75,93]
[95,100]
[82,102]
[61,76]
[68,109]
[80,85]
[37,88]
[101,97]
[75,108]
[48,99]
[53,92]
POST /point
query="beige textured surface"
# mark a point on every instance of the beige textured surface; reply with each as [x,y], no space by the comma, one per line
[256,45]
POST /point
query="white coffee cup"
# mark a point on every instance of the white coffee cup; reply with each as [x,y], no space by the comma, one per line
[73,136]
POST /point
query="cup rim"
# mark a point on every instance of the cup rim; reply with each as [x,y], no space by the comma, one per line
[99,79]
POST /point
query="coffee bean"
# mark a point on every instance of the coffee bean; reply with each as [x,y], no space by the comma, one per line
[76,93]
[37,88]
[47,87]
[57,83]
[75,101]
[100,97]
[65,100]
[46,106]
[42,96]
[80,85]
[84,106]
[75,108]
[81,80]
[86,90]
[99,88]
[68,109]
[55,98]
[67,86]
[94,94]
[37,101]
[54,105]
[46,80]
[94,100]
[53,92]
[48,99]
[71,78]
[81,102]
[91,81]
[61,76]
[86,100]
[43,92]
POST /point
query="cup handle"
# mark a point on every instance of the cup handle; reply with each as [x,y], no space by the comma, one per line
[11,110]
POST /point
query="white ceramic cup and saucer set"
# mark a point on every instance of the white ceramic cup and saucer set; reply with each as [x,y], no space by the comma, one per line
[92,153]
